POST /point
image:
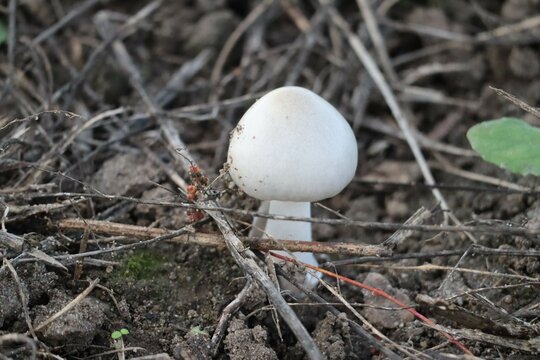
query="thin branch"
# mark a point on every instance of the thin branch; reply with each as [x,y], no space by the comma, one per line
[23,298]
[522,104]
[368,62]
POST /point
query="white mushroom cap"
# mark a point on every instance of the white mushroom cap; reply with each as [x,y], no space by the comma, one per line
[292,145]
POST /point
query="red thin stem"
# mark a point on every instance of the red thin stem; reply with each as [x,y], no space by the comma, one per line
[378,292]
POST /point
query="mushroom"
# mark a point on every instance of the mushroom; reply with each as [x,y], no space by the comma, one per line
[289,149]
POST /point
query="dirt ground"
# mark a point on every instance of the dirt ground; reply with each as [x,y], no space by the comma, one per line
[97,98]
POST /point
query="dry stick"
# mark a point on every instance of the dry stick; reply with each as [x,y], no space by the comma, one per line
[82,8]
[69,306]
[522,104]
[420,94]
[400,117]
[187,111]
[245,258]
[375,185]
[474,250]
[378,40]
[124,59]
[420,216]
[23,298]
[379,80]
[514,230]
[62,146]
[428,31]
[123,31]
[226,315]
[447,166]
[105,29]
[430,69]
[181,77]
[531,345]
[431,267]
[505,30]
[11,241]
[184,230]
[141,232]
[215,76]
[116,351]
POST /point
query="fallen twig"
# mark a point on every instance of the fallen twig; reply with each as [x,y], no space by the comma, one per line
[214,240]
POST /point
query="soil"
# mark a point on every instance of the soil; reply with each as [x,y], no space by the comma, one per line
[111,103]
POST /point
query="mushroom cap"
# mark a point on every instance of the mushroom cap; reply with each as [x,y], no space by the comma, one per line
[292,145]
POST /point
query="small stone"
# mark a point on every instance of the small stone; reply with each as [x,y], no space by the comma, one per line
[125,174]
[79,325]
[378,316]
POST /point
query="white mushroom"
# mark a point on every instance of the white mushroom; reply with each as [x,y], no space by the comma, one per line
[292,148]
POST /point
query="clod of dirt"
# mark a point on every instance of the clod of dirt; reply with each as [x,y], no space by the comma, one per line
[375,313]
[211,31]
[125,174]
[35,281]
[523,62]
[79,325]
[330,335]
[533,216]
[159,216]
[365,208]
[9,297]
[195,345]
[243,343]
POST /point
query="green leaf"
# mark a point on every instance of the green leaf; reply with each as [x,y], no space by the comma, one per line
[116,335]
[124,331]
[3,33]
[509,143]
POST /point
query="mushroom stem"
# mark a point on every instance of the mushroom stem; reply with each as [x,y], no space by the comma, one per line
[292,230]
[259,224]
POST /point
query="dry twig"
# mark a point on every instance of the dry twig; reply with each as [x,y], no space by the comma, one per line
[203,239]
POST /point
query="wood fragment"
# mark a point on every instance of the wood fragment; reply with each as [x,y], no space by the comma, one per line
[11,241]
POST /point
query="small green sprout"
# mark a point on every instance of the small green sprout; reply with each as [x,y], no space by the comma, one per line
[119,333]
[117,337]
